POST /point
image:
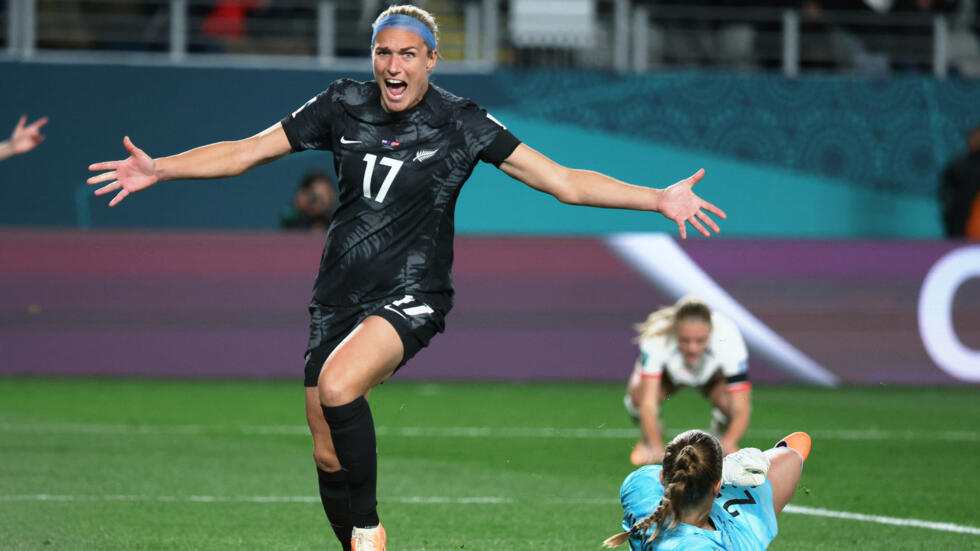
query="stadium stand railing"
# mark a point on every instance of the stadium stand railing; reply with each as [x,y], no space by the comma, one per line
[478,35]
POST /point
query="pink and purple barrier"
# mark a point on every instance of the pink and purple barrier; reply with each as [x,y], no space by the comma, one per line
[234,305]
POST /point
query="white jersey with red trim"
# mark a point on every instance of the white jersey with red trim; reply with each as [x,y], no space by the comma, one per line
[726,352]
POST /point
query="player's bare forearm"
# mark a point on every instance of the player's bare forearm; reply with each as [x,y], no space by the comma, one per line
[224,159]
[140,171]
[585,187]
[739,423]
[676,202]
[594,189]
[574,186]
[217,160]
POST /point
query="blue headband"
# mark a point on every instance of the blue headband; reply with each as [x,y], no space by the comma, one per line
[405,23]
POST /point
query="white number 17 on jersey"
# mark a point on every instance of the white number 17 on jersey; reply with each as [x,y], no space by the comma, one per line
[393,164]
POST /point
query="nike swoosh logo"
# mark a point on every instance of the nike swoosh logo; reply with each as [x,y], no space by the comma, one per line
[389,307]
[344,140]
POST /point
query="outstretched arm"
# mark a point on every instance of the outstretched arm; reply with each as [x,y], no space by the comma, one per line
[23,138]
[585,187]
[218,160]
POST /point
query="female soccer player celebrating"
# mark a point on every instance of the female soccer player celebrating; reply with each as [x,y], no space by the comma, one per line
[402,149]
[698,502]
[687,344]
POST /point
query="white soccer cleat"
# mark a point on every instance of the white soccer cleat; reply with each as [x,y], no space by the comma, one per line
[368,539]
[746,467]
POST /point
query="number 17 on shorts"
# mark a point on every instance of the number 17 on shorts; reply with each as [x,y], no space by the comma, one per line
[408,306]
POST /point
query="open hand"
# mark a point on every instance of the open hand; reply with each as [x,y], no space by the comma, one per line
[680,204]
[131,175]
[25,138]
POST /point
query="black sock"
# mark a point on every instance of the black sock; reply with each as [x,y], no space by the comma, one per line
[352,430]
[336,503]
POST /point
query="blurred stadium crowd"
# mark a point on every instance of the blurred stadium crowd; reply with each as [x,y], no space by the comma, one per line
[871,37]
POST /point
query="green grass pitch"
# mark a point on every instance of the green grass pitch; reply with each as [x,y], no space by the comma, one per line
[150,464]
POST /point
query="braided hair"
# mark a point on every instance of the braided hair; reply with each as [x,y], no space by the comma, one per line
[691,468]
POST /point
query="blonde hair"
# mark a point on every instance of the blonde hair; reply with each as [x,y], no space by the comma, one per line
[692,467]
[664,321]
[415,12]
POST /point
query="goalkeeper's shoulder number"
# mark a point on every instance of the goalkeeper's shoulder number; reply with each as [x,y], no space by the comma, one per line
[749,500]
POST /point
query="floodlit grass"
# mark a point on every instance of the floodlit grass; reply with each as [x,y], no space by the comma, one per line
[150,464]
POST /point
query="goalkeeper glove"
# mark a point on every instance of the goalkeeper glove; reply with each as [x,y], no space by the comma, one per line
[746,467]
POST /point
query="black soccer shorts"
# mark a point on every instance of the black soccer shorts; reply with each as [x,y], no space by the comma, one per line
[415,320]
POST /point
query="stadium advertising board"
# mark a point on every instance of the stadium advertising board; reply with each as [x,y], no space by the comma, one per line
[233,305]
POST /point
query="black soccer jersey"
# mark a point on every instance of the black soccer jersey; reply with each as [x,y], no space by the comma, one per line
[399,177]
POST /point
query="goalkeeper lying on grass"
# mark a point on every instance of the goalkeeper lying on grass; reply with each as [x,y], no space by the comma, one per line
[697,501]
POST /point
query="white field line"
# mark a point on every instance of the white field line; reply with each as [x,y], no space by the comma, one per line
[941,526]
[483,500]
[471,432]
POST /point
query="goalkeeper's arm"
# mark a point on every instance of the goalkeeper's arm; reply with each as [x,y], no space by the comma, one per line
[781,465]
[785,467]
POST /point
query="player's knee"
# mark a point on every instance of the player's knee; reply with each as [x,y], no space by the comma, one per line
[326,460]
[333,393]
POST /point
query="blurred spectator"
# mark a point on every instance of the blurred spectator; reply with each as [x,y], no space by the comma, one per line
[913,45]
[23,138]
[313,205]
[125,25]
[256,27]
[960,192]
[705,39]
[836,29]
[224,24]
[61,25]
[226,21]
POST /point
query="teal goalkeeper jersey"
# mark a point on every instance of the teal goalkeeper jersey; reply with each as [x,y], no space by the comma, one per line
[744,517]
